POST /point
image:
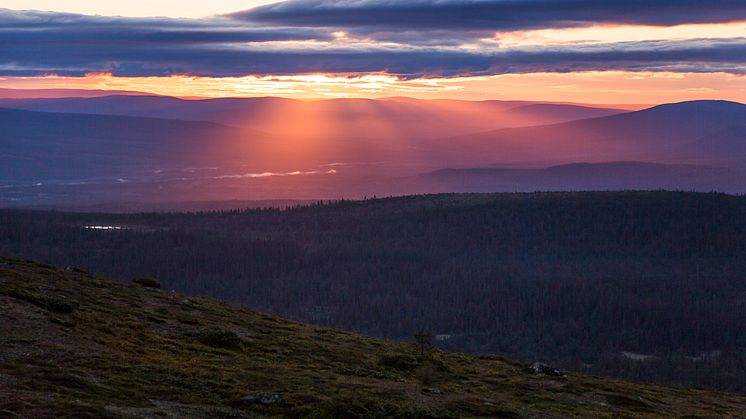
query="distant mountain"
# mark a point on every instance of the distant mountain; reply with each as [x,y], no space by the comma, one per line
[556,113]
[175,206]
[394,118]
[80,160]
[41,145]
[352,149]
[707,132]
[588,177]
[27,94]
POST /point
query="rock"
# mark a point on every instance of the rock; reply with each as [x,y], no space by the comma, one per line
[261,398]
[544,369]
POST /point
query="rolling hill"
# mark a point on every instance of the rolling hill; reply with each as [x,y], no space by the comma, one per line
[555,113]
[289,149]
[40,146]
[394,118]
[12,95]
[612,176]
[78,345]
[704,132]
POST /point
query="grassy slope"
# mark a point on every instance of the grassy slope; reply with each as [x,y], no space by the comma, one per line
[76,345]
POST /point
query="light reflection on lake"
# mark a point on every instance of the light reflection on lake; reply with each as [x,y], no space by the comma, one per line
[103,227]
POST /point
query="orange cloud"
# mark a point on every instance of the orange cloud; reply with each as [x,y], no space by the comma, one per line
[612,87]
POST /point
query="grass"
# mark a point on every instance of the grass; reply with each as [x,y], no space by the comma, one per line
[76,345]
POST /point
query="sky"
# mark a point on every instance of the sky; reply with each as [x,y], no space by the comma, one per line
[585,51]
[137,8]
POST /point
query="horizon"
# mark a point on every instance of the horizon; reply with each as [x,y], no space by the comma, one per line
[61,93]
[73,93]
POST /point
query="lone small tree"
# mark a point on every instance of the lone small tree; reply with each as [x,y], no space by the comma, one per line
[424,339]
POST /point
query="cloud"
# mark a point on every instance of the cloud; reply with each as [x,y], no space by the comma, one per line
[36,43]
[33,27]
[493,14]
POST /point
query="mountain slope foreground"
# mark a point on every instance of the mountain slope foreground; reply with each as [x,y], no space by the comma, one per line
[76,345]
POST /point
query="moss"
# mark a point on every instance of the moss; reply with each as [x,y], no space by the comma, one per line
[62,322]
[399,362]
[427,375]
[220,338]
[363,407]
[82,411]
[187,320]
[154,319]
[56,305]
[627,402]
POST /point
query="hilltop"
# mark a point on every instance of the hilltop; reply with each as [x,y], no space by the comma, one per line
[77,345]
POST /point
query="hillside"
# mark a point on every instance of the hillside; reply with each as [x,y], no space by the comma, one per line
[46,146]
[397,117]
[608,176]
[76,345]
[704,132]
[556,113]
[527,276]
[31,94]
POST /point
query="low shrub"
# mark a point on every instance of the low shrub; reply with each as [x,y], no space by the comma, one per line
[147,282]
[220,338]
[399,362]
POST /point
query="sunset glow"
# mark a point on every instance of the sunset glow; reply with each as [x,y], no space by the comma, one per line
[611,87]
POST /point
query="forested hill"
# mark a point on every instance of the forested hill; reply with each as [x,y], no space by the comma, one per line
[80,346]
[642,285]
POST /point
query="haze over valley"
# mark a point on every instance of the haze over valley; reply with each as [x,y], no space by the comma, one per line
[149,149]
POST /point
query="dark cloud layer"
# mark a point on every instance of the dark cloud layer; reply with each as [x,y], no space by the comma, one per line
[493,14]
[34,43]
[46,27]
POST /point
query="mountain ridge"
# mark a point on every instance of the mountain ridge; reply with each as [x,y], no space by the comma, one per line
[658,134]
[619,175]
[250,111]
[14,93]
